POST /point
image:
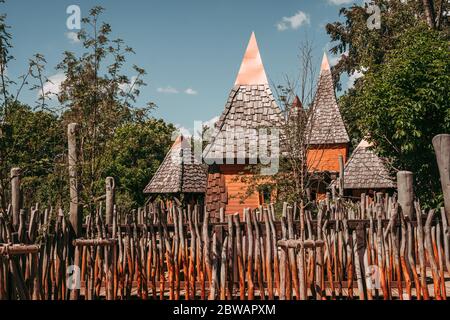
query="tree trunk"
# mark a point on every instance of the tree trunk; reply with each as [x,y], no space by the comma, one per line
[428,8]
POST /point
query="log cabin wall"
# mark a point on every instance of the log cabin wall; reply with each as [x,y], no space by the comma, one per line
[326,157]
[236,189]
[227,190]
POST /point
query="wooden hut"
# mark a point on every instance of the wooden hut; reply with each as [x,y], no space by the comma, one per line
[250,105]
[180,175]
[327,136]
[367,173]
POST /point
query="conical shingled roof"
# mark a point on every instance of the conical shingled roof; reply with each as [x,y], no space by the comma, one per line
[179,173]
[365,170]
[250,105]
[296,108]
[326,120]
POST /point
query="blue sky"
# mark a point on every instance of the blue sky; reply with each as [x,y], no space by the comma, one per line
[191,50]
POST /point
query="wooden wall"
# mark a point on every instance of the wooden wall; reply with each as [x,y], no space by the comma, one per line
[225,188]
[234,189]
[326,157]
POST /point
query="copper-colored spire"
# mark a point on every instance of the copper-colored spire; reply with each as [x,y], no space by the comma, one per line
[325,64]
[252,69]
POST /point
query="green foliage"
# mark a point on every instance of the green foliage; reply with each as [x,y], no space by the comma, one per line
[98,96]
[34,141]
[133,156]
[403,103]
[361,48]
[117,139]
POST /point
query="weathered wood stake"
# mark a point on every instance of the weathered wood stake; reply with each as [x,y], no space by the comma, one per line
[15,196]
[110,196]
[441,144]
[74,176]
[405,192]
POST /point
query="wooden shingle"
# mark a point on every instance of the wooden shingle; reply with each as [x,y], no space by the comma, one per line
[365,170]
[179,173]
[327,126]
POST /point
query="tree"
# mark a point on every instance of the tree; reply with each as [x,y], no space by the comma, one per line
[133,156]
[98,96]
[361,49]
[404,102]
[435,12]
[18,123]
[35,143]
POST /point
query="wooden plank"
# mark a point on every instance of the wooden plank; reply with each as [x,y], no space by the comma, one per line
[441,144]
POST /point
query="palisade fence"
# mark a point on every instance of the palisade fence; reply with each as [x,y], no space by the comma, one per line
[382,248]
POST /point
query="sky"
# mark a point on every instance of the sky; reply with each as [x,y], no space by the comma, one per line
[190,49]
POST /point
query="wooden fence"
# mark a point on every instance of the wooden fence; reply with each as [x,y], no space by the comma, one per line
[176,253]
[380,248]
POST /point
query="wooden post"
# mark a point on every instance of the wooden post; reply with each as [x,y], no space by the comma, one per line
[441,144]
[341,176]
[110,196]
[75,209]
[363,205]
[405,192]
[15,196]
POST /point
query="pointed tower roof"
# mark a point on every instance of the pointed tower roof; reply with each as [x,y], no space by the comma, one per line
[250,105]
[296,106]
[178,173]
[325,66]
[252,69]
[365,170]
[326,119]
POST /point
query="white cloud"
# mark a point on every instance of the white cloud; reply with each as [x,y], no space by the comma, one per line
[168,90]
[72,36]
[211,122]
[353,77]
[190,91]
[125,87]
[172,90]
[340,2]
[334,60]
[294,22]
[53,85]
[185,132]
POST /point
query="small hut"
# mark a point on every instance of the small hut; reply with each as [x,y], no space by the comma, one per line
[250,106]
[179,175]
[328,138]
[365,172]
